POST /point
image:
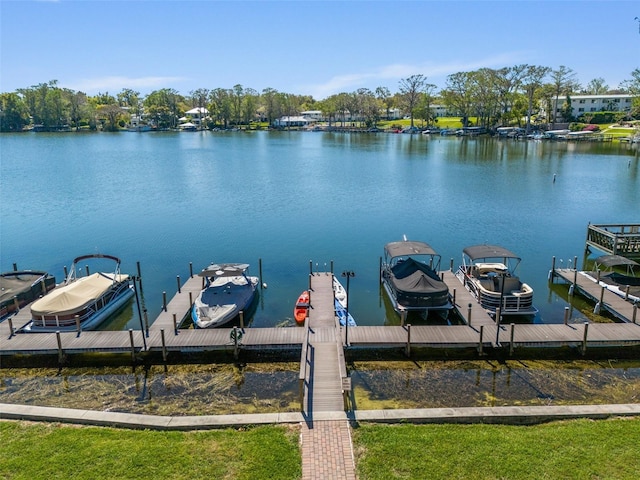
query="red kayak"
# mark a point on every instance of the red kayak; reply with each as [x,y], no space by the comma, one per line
[301,308]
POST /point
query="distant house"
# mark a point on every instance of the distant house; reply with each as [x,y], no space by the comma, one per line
[292,121]
[313,115]
[198,115]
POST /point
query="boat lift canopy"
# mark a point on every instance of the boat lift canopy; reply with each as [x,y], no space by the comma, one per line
[224,270]
[488,251]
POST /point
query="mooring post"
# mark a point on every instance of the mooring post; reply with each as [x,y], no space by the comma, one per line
[260,273]
[43,286]
[566,315]
[469,314]
[164,345]
[242,319]
[403,317]
[66,272]
[626,292]
[59,340]
[15,267]
[175,324]
[310,283]
[635,311]
[10,322]
[513,331]
[408,349]
[598,306]
[481,339]
[78,327]
[190,299]
[179,285]
[133,348]
[331,266]
[190,269]
[146,321]
[453,297]
[598,275]
[451,264]
[584,338]
[164,301]
[310,267]
[235,342]
[16,303]
[552,273]
[498,318]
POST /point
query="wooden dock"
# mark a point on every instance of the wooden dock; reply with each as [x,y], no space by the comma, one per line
[615,239]
[322,342]
[604,299]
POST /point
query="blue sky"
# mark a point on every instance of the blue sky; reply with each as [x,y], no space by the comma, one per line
[318,48]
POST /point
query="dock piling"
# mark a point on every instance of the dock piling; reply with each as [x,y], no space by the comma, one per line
[164,345]
[242,319]
[408,347]
[403,318]
[260,273]
[598,306]
[566,315]
[190,269]
[164,301]
[635,311]
[498,318]
[133,347]
[584,338]
[15,267]
[481,339]
[179,283]
[59,340]
[469,314]
[513,331]
[175,324]
[10,322]
[78,327]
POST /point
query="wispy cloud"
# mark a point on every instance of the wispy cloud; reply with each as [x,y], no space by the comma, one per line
[384,74]
[117,83]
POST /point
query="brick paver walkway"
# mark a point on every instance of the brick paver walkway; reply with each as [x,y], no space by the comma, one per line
[327,452]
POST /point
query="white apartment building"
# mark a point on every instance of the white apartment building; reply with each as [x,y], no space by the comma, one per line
[581,104]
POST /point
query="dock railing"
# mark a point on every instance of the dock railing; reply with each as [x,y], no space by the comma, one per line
[304,362]
[615,239]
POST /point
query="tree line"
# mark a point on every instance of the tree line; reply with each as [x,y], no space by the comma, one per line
[505,96]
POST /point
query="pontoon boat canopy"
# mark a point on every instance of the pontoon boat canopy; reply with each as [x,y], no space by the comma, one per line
[399,249]
[75,296]
[224,270]
[488,251]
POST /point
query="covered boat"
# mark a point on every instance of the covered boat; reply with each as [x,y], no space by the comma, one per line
[20,288]
[618,274]
[87,301]
[488,272]
[409,274]
[228,290]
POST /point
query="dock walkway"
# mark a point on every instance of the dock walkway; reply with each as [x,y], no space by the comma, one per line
[622,309]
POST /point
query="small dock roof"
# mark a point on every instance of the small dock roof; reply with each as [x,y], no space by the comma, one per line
[399,249]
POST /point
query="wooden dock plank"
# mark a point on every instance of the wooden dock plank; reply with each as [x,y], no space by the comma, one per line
[463,299]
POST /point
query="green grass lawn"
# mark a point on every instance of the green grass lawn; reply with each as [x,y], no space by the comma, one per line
[51,451]
[580,449]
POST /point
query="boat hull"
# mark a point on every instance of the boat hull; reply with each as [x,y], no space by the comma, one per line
[20,288]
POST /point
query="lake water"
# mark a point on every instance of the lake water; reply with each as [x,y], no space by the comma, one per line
[288,198]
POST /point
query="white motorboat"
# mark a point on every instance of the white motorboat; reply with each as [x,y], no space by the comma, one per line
[488,273]
[228,291]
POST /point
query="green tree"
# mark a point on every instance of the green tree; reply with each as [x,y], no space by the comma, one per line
[532,83]
[564,82]
[458,94]
[14,114]
[632,86]
[410,90]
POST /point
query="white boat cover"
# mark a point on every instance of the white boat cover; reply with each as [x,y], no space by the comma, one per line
[72,298]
